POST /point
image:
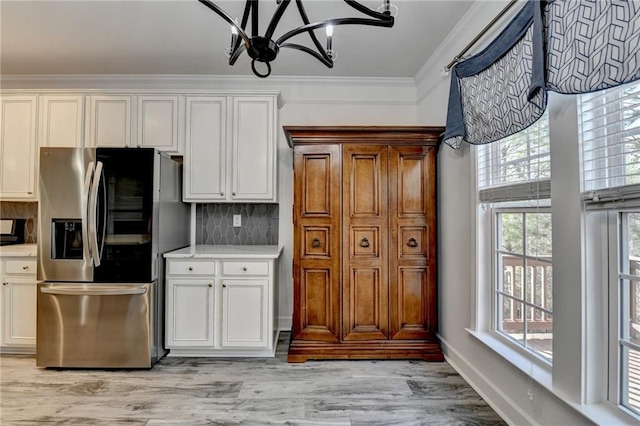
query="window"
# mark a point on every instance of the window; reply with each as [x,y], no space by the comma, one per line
[610,148]
[514,184]
[524,295]
[628,290]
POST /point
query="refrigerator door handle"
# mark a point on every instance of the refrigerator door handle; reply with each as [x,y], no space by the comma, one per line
[93,211]
[108,291]
[86,250]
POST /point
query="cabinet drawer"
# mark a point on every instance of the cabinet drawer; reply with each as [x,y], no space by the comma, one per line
[191,268]
[20,267]
[245,268]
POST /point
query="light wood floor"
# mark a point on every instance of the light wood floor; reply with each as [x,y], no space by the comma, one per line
[210,391]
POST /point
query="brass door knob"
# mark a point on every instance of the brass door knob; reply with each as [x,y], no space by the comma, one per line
[315,243]
[412,242]
[364,243]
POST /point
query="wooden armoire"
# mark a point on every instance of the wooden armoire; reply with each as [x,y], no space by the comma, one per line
[364,262]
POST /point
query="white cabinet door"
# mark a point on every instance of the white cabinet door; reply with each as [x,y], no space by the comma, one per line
[205,165]
[245,305]
[253,149]
[190,312]
[18,312]
[18,147]
[62,120]
[158,122]
[109,121]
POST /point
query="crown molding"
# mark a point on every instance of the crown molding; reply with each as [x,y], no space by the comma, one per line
[184,82]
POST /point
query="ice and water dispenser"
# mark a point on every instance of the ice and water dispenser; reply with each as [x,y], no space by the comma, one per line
[66,238]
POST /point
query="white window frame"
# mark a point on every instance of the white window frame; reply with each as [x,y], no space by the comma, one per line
[618,306]
[497,283]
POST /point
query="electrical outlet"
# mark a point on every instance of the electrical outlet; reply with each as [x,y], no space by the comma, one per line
[237,220]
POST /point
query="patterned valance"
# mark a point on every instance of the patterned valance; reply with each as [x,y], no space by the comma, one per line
[567,46]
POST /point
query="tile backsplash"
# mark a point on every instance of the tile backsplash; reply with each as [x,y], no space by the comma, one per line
[22,210]
[214,224]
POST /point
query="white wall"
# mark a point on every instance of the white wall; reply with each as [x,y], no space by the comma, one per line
[517,398]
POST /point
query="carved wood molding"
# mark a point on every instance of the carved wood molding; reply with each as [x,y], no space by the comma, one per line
[370,135]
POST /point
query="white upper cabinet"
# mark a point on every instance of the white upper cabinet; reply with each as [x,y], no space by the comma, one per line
[62,120]
[152,121]
[158,122]
[205,171]
[253,149]
[230,153]
[18,147]
[109,121]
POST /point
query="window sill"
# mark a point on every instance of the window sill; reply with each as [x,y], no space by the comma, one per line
[601,413]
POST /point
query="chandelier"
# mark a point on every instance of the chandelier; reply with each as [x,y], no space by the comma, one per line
[263,49]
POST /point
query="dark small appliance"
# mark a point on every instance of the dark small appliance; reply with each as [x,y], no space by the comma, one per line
[11,231]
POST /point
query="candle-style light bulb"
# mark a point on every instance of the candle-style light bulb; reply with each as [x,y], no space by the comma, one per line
[387,6]
[329,30]
[234,37]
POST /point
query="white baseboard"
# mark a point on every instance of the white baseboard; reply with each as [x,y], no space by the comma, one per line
[492,394]
[284,323]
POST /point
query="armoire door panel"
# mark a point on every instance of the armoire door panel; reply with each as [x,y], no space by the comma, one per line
[413,242]
[412,191]
[317,242]
[318,316]
[365,281]
[366,242]
[410,307]
[367,316]
[316,178]
[365,169]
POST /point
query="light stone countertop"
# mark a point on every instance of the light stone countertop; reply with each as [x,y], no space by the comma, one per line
[19,250]
[203,251]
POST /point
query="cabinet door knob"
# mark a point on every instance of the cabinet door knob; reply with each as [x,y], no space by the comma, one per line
[5,283]
[24,268]
[224,286]
[412,242]
[364,243]
[191,268]
[233,193]
[315,243]
[222,194]
[244,268]
[210,285]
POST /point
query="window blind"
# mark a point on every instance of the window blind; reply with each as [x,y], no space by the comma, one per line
[518,167]
[610,147]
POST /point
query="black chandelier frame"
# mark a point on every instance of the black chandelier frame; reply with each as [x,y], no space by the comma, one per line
[264,49]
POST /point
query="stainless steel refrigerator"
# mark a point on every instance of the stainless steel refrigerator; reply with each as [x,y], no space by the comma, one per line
[105,218]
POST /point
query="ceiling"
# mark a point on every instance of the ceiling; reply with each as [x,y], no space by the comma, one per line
[185,37]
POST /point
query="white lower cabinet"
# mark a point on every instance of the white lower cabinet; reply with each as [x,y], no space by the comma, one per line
[220,306]
[191,309]
[245,304]
[18,304]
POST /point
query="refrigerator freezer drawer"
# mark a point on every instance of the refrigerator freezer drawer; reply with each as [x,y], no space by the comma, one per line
[95,325]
